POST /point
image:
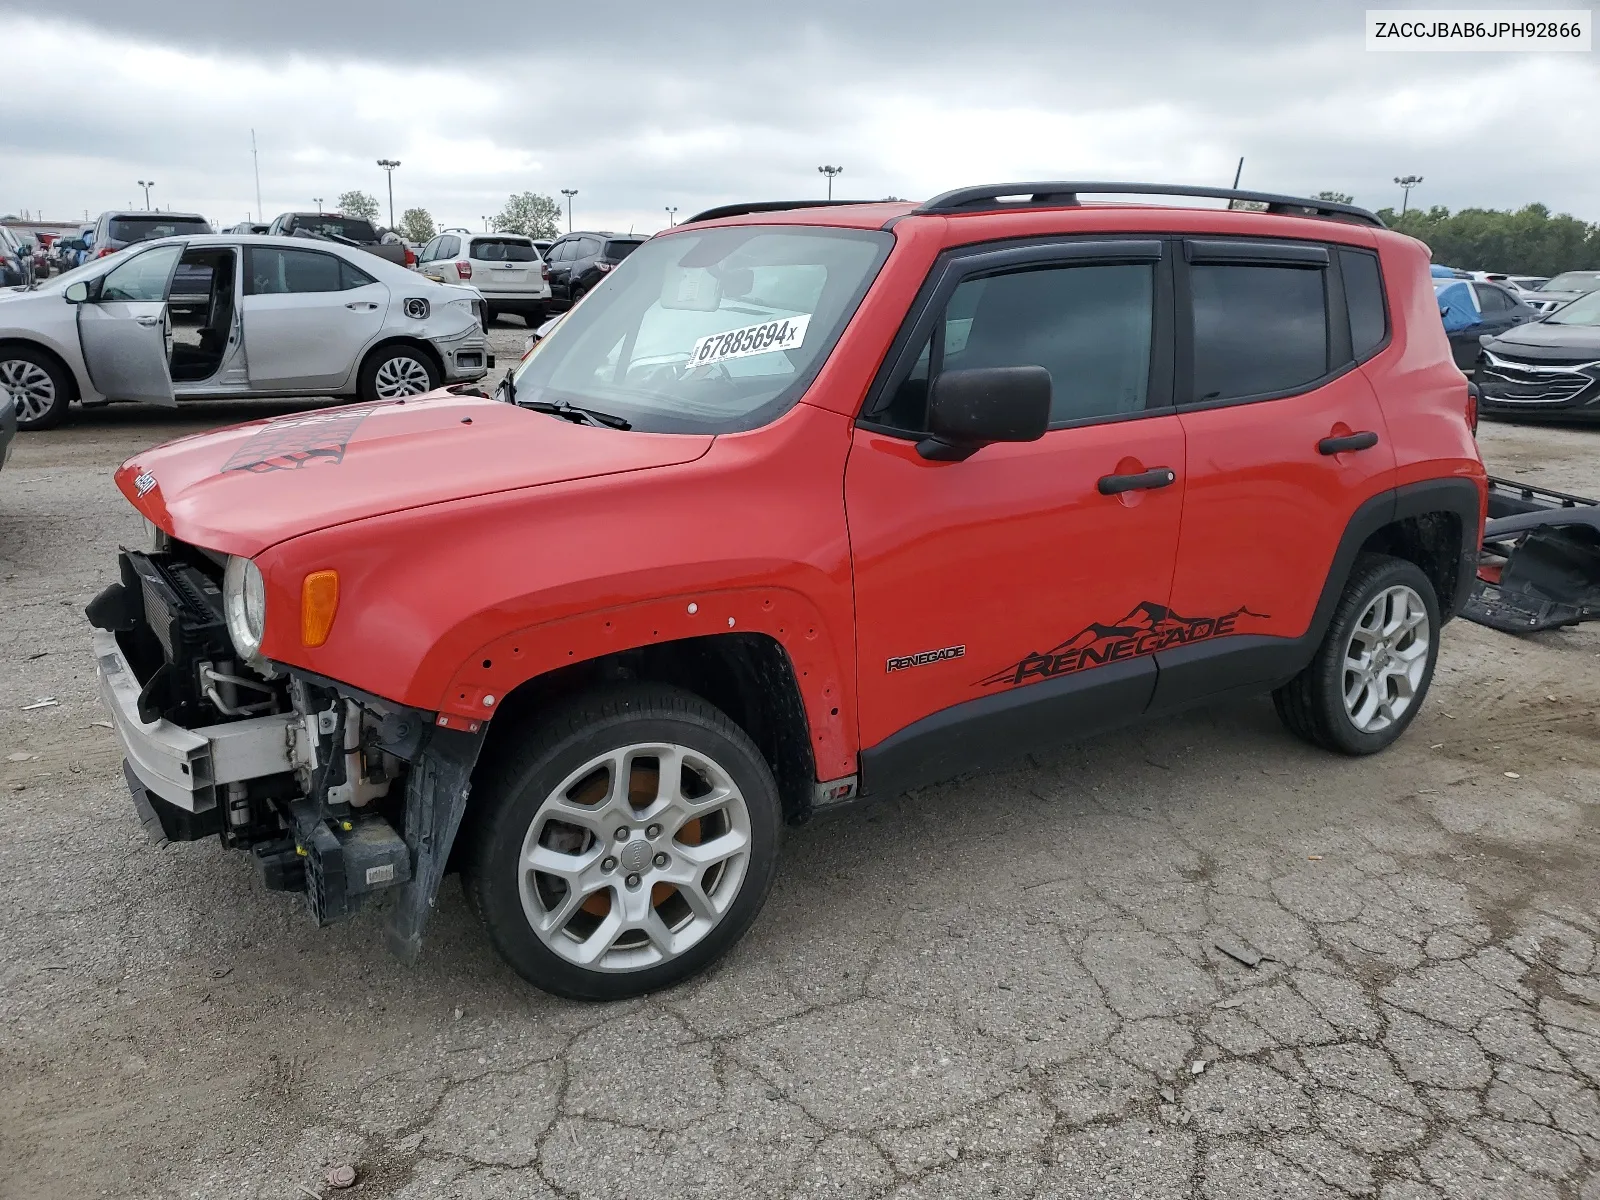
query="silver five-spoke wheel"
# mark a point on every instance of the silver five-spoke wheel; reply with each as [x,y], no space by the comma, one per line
[402,375]
[30,386]
[1386,659]
[635,857]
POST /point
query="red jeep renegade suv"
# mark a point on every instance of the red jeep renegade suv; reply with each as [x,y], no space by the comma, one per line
[801,504]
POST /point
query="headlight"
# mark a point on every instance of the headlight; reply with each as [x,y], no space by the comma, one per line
[244,605]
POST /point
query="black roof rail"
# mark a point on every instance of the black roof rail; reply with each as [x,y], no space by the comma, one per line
[761,206]
[1065,195]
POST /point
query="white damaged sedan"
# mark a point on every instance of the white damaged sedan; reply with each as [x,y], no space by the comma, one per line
[227,315]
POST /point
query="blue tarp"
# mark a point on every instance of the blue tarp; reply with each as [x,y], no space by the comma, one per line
[1458,304]
[1440,271]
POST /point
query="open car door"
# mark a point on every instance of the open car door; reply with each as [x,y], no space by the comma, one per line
[124,329]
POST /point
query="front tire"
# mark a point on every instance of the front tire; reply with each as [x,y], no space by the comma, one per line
[39,386]
[396,371]
[624,845]
[1373,669]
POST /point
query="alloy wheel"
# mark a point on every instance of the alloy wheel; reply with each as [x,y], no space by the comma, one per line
[402,376]
[30,386]
[1386,659]
[635,857]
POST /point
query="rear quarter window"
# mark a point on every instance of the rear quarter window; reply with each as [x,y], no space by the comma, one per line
[1363,298]
[619,250]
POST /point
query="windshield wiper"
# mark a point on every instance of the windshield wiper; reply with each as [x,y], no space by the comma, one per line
[571,412]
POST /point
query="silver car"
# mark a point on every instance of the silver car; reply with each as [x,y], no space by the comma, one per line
[227,315]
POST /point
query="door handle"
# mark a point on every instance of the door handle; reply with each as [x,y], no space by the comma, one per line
[1365,440]
[1156,477]
[149,321]
[362,304]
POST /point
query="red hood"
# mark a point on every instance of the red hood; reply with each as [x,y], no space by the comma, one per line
[245,488]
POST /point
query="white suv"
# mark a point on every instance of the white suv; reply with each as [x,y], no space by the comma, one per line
[505,267]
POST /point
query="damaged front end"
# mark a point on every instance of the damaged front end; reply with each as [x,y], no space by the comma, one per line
[332,792]
[1539,567]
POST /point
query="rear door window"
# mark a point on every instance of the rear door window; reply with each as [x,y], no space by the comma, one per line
[1258,330]
[274,272]
[1492,300]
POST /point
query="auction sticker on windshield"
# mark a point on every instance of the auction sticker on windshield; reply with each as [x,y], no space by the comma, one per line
[785,333]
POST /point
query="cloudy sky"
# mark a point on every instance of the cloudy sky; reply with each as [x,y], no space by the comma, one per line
[640,106]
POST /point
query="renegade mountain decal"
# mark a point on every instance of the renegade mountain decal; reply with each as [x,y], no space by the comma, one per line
[1148,628]
[292,442]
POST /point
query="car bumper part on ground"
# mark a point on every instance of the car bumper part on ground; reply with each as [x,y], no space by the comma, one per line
[1540,563]
[187,767]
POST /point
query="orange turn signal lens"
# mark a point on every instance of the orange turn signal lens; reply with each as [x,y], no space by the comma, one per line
[319,601]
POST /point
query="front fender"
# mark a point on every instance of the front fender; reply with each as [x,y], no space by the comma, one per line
[790,618]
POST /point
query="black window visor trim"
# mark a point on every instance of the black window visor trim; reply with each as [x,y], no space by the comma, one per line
[1288,254]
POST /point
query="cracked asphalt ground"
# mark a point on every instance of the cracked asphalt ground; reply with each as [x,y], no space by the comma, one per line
[1006,986]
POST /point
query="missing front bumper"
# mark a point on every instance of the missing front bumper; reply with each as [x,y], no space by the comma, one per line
[189,768]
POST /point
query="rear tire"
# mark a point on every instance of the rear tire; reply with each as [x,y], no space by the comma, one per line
[396,371]
[41,388]
[596,875]
[1373,669]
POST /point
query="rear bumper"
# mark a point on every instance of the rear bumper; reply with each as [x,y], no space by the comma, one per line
[188,767]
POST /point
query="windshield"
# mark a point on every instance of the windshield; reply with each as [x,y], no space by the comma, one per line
[502,250]
[156,225]
[351,228]
[713,331]
[1573,281]
[1585,310]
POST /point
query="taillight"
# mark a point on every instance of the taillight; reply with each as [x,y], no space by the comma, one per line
[103,251]
[411,258]
[544,271]
[1472,408]
[464,269]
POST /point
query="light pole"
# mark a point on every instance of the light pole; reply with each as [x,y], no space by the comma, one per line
[1407,182]
[388,165]
[672,215]
[147,184]
[830,172]
[317,200]
[485,221]
[569,193]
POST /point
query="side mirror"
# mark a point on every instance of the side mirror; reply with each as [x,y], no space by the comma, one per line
[76,293]
[967,410]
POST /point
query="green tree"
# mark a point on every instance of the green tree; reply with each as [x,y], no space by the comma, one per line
[530,214]
[416,225]
[1335,197]
[359,204]
[1528,241]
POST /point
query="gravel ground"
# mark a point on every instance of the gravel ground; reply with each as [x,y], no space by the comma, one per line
[1008,986]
